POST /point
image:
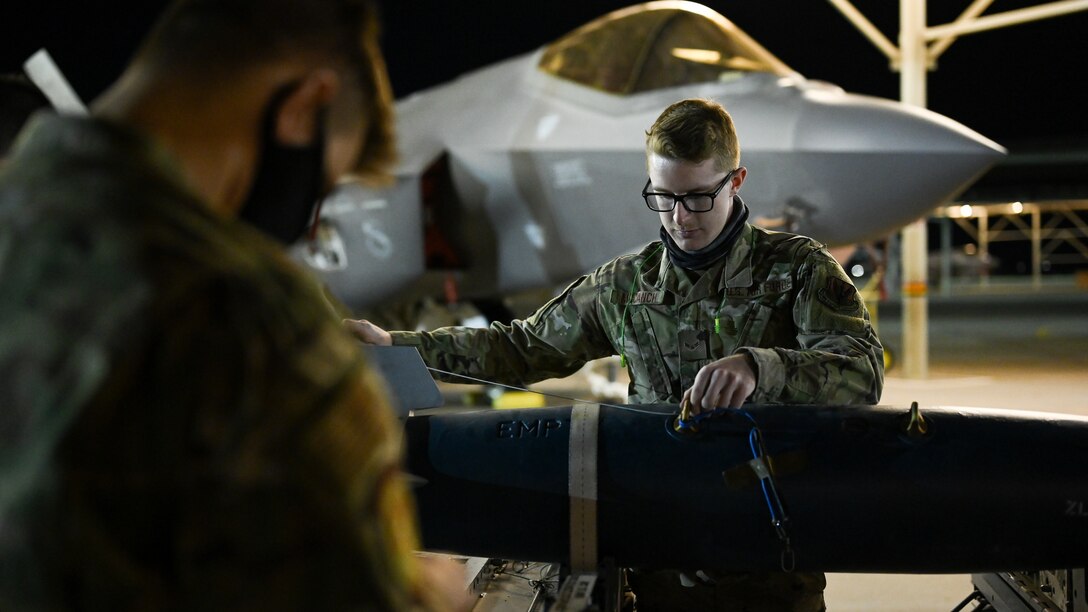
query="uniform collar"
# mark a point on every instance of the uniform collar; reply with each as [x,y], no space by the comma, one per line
[738,264]
[737,272]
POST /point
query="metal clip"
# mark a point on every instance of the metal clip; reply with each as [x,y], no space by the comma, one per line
[684,422]
[780,529]
[788,560]
[917,426]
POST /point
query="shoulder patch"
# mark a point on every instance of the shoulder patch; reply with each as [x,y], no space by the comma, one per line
[839,294]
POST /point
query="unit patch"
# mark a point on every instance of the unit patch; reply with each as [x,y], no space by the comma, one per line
[840,295]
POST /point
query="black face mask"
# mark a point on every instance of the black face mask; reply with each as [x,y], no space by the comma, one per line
[286,193]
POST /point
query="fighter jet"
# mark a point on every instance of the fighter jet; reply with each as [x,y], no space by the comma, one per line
[527,173]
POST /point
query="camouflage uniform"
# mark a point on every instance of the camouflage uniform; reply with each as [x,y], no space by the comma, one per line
[184,423]
[777,297]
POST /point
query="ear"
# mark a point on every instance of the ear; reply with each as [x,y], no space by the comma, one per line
[738,178]
[296,121]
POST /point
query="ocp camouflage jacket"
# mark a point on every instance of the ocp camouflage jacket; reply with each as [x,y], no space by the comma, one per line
[778,297]
[183,423]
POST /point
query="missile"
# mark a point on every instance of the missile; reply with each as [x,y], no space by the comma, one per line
[769,487]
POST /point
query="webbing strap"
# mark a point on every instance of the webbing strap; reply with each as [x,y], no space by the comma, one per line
[582,487]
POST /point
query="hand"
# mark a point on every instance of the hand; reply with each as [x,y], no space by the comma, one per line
[725,383]
[444,581]
[367,332]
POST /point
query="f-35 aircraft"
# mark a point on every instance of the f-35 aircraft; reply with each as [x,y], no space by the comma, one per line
[527,173]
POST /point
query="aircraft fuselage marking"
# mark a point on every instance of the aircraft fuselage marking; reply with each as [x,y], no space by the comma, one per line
[1075,508]
[377,241]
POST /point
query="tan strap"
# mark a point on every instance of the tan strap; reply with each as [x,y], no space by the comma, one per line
[584,420]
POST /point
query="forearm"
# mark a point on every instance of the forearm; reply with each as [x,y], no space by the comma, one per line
[555,341]
[507,354]
[840,369]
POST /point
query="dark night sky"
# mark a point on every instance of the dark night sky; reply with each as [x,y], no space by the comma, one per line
[1021,84]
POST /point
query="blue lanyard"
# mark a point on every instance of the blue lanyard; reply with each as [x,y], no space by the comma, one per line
[762,468]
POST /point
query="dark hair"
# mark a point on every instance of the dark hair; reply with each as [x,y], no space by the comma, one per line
[19,99]
[213,42]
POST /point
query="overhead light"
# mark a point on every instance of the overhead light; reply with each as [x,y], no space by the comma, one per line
[965,210]
[1018,207]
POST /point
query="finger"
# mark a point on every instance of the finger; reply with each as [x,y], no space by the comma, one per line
[716,391]
[366,332]
[732,396]
[357,328]
[698,390]
[739,392]
[722,389]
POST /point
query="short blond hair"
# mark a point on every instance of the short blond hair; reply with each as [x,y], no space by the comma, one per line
[695,130]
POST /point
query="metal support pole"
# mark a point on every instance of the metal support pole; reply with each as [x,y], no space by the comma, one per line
[984,245]
[912,84]
[867,28]
[940,46]
[1008,18]
[946,256]
[1036,247]
[913,56]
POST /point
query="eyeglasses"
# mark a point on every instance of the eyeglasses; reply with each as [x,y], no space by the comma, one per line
[693,202]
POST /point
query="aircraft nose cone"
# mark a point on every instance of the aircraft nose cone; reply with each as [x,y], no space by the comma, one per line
[905,160]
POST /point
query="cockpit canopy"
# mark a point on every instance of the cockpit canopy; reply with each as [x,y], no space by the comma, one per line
[657,45]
